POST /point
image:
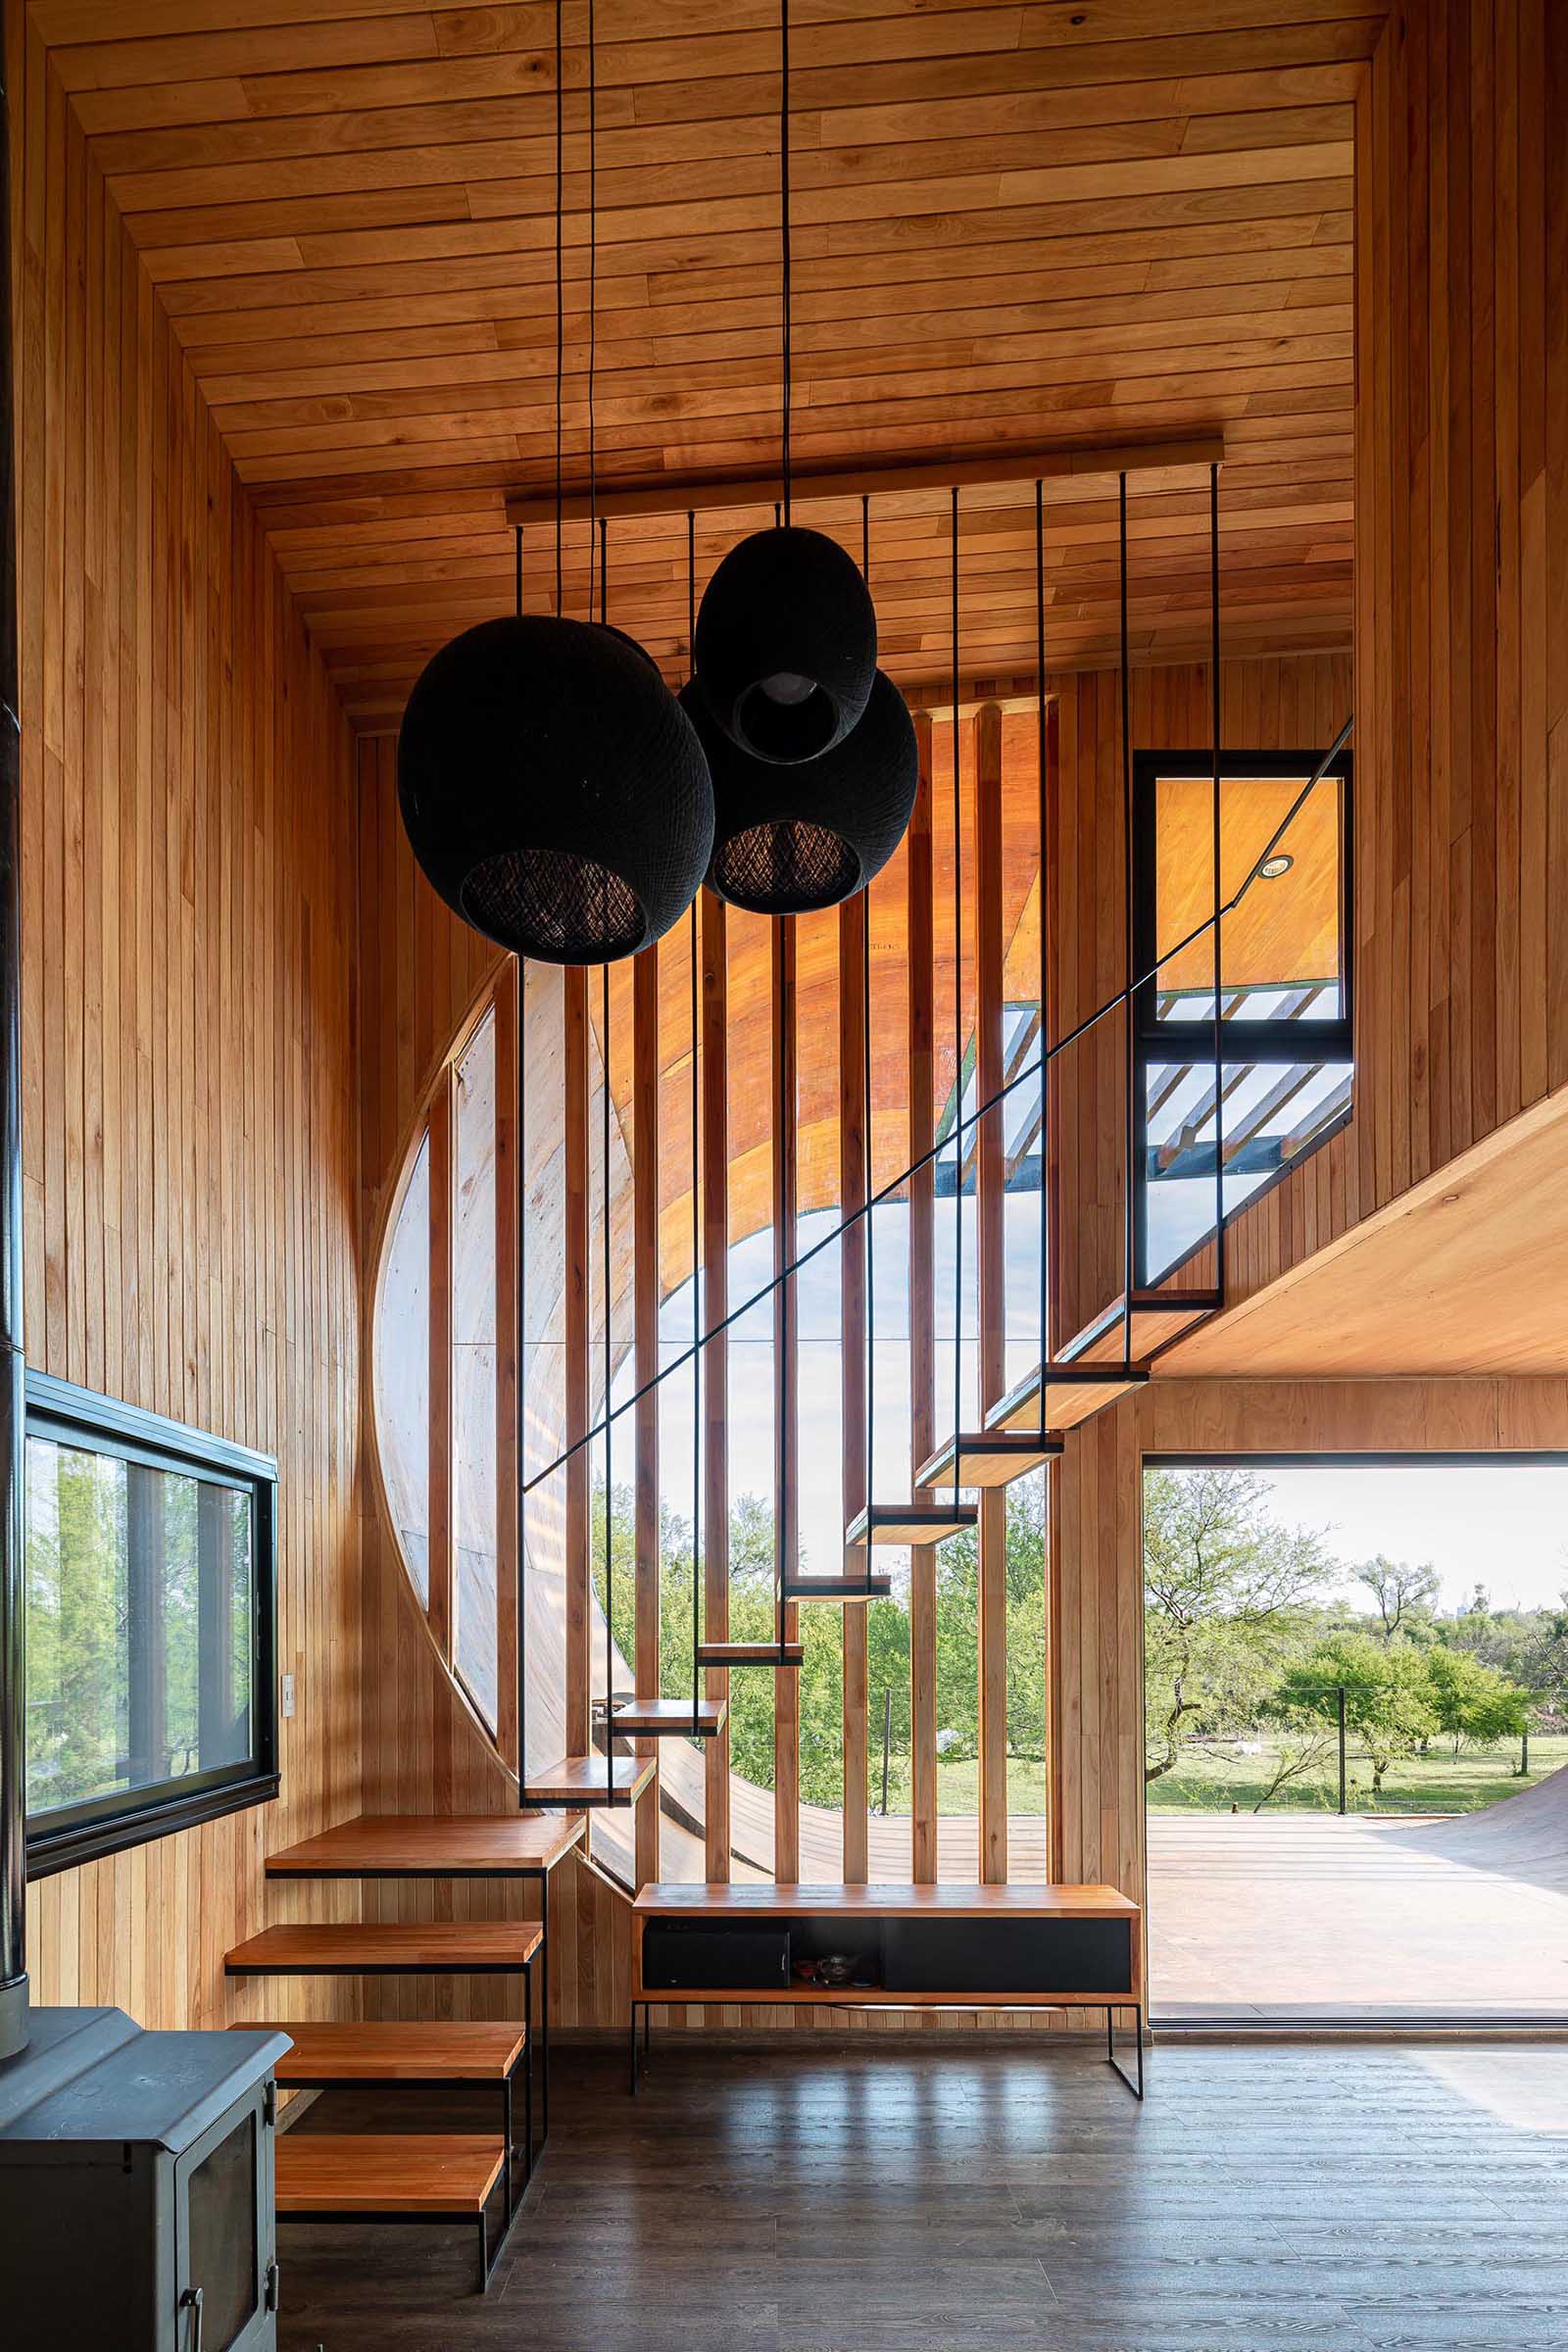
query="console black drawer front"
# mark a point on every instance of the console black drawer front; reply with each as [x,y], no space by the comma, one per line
[1008,1955]
[715,1959]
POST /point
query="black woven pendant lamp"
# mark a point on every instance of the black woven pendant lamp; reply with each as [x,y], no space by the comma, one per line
[553,792]
[785,643]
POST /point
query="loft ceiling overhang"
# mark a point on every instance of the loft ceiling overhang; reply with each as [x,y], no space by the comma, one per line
[1015,227]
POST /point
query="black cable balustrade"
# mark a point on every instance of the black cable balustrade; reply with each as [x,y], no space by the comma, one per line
[1034,1068]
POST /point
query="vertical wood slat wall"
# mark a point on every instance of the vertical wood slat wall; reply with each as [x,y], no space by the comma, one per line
[854,918]
[922,1316]
[715,1362]
[991,1287]
[188,1017]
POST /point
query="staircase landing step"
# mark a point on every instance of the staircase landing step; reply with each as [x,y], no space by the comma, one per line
[361,1948]
[445,2175]
[910,1523]
[446,2050]
[668,1718]
[989,1457]
[418,1846]
[750,1653]
[591,1779]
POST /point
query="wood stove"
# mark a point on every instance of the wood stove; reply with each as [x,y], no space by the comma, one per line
[136,2188]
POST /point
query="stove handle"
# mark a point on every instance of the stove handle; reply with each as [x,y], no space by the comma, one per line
[193,2297]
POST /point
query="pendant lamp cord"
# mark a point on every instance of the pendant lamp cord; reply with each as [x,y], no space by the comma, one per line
[593,281]
[560,277]
[784,239]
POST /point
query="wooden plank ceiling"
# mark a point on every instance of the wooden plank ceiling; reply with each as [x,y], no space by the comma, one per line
[1057,224]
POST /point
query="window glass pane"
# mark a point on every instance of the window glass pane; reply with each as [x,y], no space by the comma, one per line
[473,1367]
[1270,1111]
[403,1373]
[139,1637]
[1282,954]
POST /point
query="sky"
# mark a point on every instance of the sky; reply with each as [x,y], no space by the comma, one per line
[1502,1524]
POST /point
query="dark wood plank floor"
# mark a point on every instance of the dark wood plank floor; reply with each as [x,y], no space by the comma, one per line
[883,2198]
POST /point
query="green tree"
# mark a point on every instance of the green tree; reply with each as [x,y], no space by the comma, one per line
[1404,1594]
[1225,1589]
[1388,1695]
[1473,1703]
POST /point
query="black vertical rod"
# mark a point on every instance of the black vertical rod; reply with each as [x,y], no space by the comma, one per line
[522,1413]
[610,1556]
[865,1120]
[784,251]
[1220,1025]
[697,1345]
[870,1220]
[561,280]
[1129,1188]
[1341,1698]
[517,536]
[958,1035]
[13,1396]
[604,569]
[1041,732]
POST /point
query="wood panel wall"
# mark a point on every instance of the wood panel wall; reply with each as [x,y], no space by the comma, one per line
[188,1021]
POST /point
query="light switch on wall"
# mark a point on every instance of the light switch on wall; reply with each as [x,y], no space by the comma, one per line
[286,1695]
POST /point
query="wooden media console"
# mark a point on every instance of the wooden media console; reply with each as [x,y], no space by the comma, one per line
[901,1947]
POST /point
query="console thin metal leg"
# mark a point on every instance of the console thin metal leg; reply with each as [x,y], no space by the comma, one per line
[633,2050]
[1112,2059]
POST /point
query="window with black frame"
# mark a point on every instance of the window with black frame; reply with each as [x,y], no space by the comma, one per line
[1272,1079]
[148,1567]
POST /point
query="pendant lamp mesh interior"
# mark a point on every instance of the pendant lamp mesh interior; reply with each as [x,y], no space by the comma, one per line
[790,840]
[554,790]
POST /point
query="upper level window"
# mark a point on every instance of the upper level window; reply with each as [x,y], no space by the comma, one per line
[149,1572]
[1285,1063]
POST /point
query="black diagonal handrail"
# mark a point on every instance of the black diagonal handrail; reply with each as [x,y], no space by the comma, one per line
[1035,1067]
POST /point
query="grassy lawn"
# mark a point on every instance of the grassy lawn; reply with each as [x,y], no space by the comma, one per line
[958,1786]
[1213,1779]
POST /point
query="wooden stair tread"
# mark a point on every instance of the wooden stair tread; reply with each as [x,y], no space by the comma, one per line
[448,2175]
[989,1457]
[750,1653]
[1158,1318]
[418,1846]
[652,1718]
[910,1523]
[444,2050]
[587,1781]
[1072,1394]
[874,1585]
[474,1947]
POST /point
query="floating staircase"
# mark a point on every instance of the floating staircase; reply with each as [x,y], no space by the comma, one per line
[872,1586]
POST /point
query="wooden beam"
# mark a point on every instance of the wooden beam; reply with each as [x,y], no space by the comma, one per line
[921,962]
[990,1215]
[935,475]
[645,1358]
[853,916]
[786,1403]
[713,1083]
